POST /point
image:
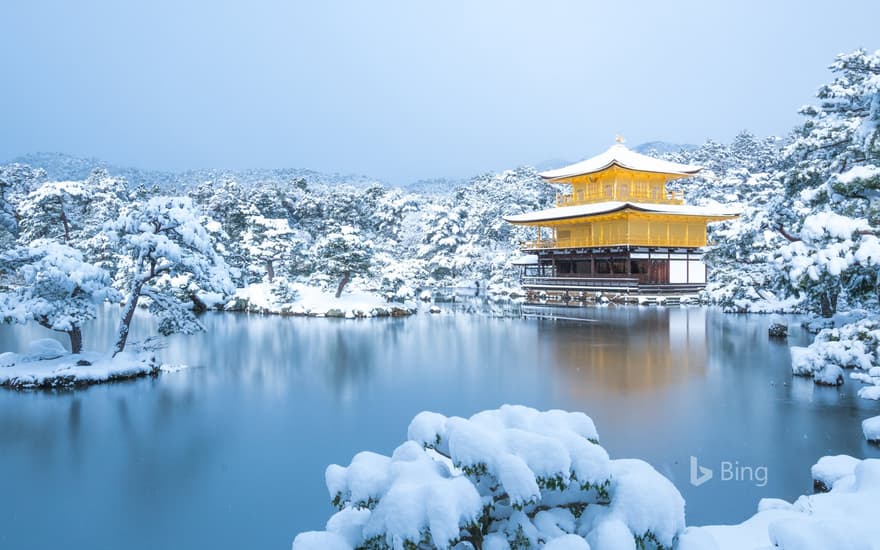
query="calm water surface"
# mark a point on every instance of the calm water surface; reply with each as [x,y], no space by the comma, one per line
[231,452]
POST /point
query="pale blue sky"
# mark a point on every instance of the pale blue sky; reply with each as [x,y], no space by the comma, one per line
[410,89]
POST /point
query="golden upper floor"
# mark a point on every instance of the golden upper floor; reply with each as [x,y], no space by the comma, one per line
[619,174]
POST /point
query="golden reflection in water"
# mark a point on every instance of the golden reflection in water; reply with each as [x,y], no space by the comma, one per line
[623,352]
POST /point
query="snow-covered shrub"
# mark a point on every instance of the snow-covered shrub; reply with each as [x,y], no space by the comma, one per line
[284,291]
[851,346]
[511,478]
[43,349]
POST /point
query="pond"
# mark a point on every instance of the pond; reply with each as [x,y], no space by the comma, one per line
[230,453]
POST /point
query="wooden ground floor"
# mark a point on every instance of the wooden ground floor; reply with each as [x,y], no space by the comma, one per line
[581,276]
[617,266]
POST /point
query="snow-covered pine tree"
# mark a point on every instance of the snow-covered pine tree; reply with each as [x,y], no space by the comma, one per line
[268,241]
[343,252]
[829,211]
[51,284]
[103,199]
[757,155]
[8,223]
[165,237]
[442,235]
[52,211]
[226,203]
[18,180]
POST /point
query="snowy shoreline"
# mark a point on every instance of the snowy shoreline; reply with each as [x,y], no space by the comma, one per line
[313,302]
[48,365]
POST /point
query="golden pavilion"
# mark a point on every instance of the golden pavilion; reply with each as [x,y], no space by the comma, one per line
[617,227]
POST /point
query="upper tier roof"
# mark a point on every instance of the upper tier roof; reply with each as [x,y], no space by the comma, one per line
[619,155]
[595,209]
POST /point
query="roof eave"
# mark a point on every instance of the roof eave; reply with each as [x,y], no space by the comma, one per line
[619,165]
[626,206]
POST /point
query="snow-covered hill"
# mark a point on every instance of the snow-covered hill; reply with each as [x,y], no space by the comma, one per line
[63,167]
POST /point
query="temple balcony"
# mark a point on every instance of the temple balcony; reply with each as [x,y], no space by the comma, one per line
[570,199]
[662,240]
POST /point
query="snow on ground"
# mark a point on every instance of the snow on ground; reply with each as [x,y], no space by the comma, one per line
[760,302]
[312,301]
[830,469]
[47,365]
[843,518]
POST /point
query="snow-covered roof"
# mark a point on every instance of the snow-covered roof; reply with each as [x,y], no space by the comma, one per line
[619,155]
[527,259]
[581,210]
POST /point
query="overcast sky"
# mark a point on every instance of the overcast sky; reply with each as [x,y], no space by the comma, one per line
[406,90]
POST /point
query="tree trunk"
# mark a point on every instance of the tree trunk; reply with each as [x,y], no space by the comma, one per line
[828,303]
[127,315]
[270,270]
[76,340]
[198,305]
[342,283]
[64,221]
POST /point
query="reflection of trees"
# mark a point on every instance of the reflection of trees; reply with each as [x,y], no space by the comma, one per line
[278,355]
[626,349]
[139,440]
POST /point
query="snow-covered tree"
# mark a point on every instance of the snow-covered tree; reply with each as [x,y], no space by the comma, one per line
[52,211]
[50,283]
[268,241]
[830,208]
[465,236]
[226,203]
[511,478]
[104,196]
[164,240]
[341,253]
[17,180]
[444,233]
[8,223]
[757,155]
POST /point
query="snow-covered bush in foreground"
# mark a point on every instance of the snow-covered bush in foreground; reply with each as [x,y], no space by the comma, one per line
[851,346]
[510,478]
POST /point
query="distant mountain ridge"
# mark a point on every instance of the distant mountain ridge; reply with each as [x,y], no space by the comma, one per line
[663,147]
[63,167]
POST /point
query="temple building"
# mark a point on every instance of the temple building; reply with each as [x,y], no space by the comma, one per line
[617,228]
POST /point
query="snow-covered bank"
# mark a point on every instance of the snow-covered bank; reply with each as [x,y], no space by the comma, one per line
[300,299]
[46,364]
[871,429]
[853,346]
[844,517]
[519,478]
